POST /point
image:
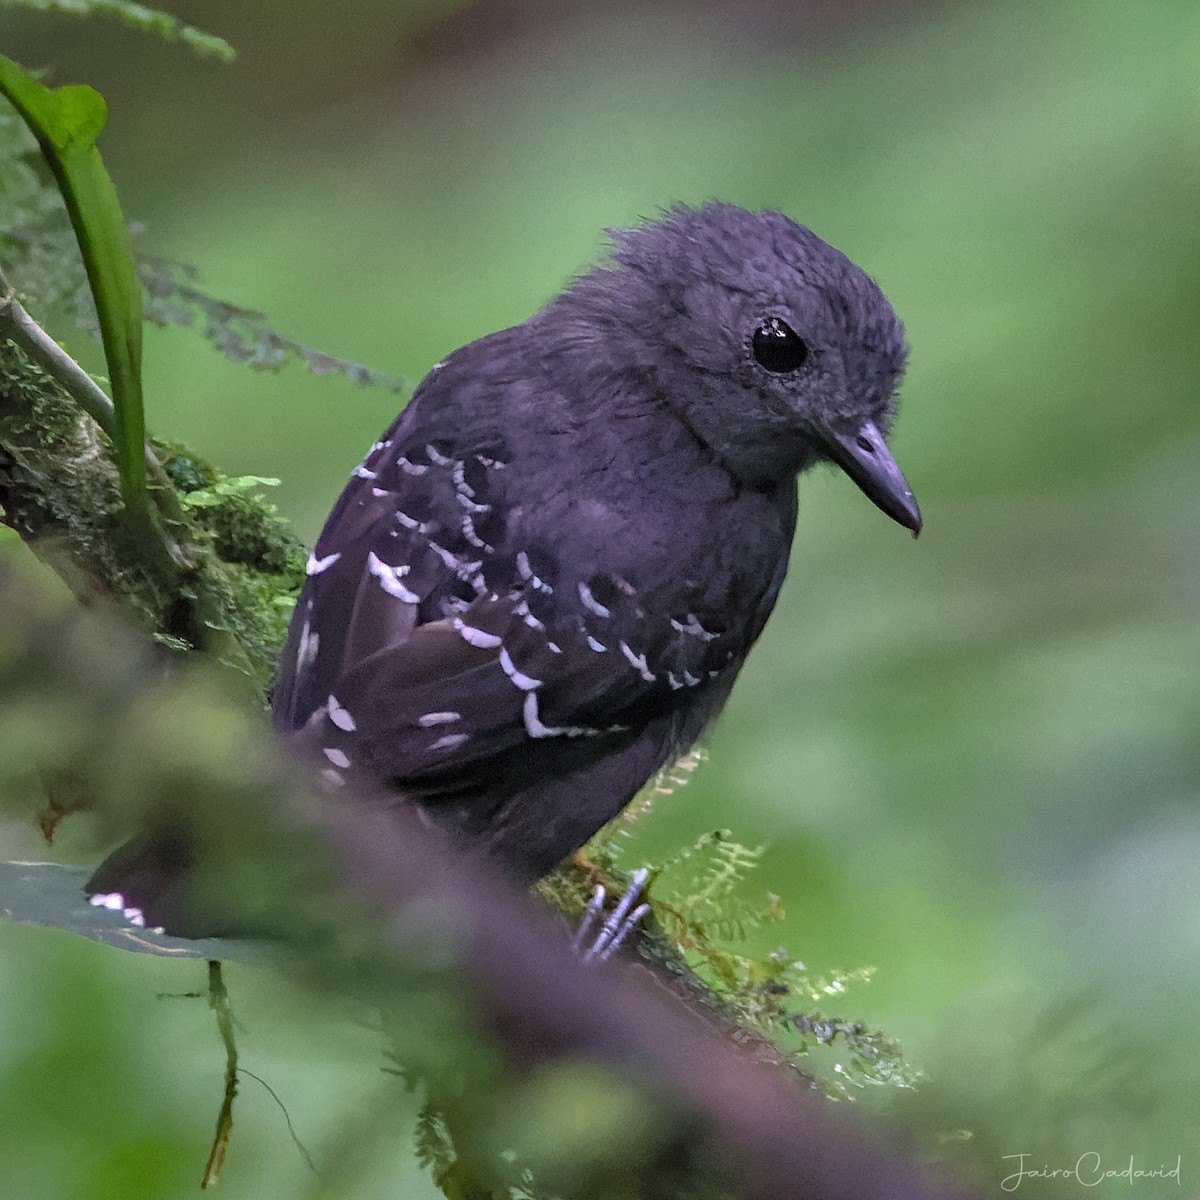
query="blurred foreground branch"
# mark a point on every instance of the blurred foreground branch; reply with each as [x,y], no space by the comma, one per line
[485,999]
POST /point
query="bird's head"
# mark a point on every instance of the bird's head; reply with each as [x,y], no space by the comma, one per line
[774,347]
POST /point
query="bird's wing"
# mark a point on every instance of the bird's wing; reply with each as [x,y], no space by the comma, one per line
[426,642]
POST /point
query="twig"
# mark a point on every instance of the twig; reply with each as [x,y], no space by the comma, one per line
[287,1119]
[218,1001]
[20,328]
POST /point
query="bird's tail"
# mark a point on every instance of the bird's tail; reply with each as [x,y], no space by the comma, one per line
[149,878]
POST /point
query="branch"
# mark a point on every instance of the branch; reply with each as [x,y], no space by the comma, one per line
[19,328]
[61,492]
[23,331]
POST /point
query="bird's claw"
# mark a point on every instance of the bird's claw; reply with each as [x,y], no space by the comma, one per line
[619,924]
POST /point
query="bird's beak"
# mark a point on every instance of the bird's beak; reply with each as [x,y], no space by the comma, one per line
[864,456]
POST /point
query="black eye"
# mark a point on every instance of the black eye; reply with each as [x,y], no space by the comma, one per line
[778,347]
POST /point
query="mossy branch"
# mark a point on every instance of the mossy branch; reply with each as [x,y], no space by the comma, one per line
[233,567]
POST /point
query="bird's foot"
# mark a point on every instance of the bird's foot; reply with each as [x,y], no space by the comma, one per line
[617,926]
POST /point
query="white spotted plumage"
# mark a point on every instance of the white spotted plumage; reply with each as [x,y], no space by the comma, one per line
[340,716]
[315,565]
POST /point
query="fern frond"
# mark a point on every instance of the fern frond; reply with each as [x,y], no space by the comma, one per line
[241,334]
[432,1143]
[137,16]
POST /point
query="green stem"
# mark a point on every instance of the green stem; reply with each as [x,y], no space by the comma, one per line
[22,330]
[66,122]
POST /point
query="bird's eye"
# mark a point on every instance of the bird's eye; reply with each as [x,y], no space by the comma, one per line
[778,347]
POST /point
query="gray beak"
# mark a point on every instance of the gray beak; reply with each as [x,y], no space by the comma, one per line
[864,456]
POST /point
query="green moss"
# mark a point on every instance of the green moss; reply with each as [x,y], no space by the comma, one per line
[247,531]
[244,565]
[249,564]
[36,410]
[187,471]
[256,608]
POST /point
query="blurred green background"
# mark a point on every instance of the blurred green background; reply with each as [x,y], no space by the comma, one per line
[974,759]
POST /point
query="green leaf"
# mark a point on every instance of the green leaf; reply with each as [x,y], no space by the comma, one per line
[50,894]
[66,122]
[137,16]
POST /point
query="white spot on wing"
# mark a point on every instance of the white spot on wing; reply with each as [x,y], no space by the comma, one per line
[460,480]
[522,611]
[309,644]
[363,473]
[389,578]
[526,683]
[135,917]
[471,506]
[476,637]
[340,717]
[113,900]
[339,758]
[438,718]
[468,528]
[436,456]
[599,647]
[449,741]
[535,728]
[693,627]
[590,602]
[316,565]
[410,522]
[411,468]
[461,568]
[638,661]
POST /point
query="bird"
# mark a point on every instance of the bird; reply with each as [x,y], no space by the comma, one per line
[540,584]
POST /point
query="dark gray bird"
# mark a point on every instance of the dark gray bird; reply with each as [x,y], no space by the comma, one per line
[541,583]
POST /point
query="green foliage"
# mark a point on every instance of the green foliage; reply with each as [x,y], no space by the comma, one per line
[240,334]
[700,924]
[39,251]
[258,559]
[66,122]
[137,16]
[245,527]
[433,1145]
[22,191]
[702,915]
[52,895]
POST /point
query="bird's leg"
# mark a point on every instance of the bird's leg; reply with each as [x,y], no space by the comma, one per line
[621,922]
